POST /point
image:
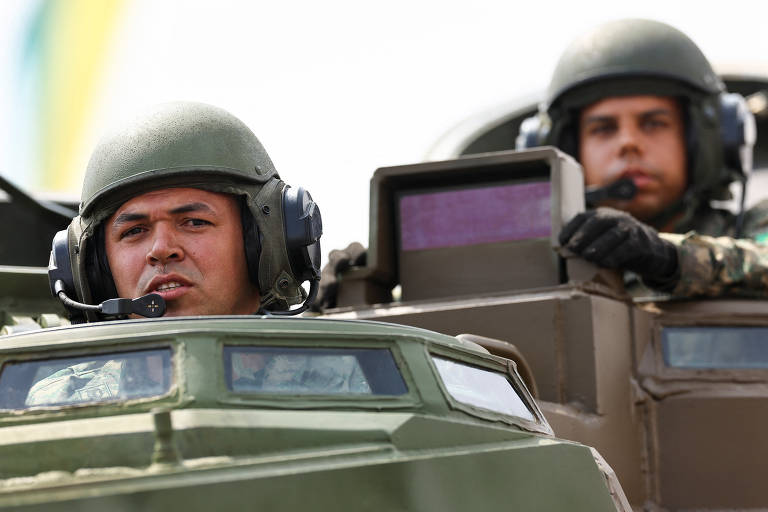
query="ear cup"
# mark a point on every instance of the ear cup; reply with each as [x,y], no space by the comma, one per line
[303,228]
[251,242]
[60,264]
[532,133]
[97,269]
[60,271]
[738,132]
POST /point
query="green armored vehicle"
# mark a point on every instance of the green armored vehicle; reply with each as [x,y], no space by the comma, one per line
[227,413]
[672,393]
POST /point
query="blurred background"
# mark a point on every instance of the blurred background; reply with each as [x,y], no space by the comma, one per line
[334,89]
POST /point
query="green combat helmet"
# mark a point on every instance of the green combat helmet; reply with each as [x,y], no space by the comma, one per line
[640,57]
[191,145]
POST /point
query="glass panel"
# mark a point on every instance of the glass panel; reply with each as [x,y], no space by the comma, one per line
[481,388]
[481,215]
[312,371]
[88,379]
[715,347]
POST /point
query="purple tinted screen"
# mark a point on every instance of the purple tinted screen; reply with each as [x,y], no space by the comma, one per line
[483,215]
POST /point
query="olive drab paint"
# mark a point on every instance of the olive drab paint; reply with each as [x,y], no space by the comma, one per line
[681,432]
[201,443]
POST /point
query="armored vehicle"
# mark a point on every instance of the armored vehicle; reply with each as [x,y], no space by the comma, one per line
[227,413]
[672,393]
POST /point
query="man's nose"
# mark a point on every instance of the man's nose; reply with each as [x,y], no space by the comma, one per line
[629,139]
[165,246]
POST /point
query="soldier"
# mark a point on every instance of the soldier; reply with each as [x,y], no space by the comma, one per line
[637,99]
[184,203]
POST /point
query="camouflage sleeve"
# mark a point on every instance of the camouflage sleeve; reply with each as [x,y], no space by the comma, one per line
[717,266]
[85,382]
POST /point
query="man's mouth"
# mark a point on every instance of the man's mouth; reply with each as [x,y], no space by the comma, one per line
[641,178]
[168,286]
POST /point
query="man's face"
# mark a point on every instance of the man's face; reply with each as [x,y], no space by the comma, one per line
[185,244]
[639,137]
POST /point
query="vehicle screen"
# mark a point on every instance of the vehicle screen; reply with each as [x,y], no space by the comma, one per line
[95,378]
[715,347]
[481,388]
[312,371]
[482,215]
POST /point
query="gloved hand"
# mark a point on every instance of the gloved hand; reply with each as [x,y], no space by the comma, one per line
[338,261]
[614,239]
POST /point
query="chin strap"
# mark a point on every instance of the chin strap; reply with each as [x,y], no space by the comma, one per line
[740,216]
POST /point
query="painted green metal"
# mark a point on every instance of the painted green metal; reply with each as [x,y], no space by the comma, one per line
[201,446]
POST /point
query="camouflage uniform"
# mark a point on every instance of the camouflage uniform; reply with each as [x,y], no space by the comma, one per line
[306,374]
[712,262]
[621,59]
[93,381]
[302,374]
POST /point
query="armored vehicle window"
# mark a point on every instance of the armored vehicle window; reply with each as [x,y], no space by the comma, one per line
[481,388]
[715,347]
[312,371]
[88,379]
[486,214]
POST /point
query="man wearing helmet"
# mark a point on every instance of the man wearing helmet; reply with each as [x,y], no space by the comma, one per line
[185,203]
[636,99]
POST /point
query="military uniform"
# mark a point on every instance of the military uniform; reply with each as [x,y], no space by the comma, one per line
[316,375]
[302,374]
[94,381]
[712,262]
[620,59]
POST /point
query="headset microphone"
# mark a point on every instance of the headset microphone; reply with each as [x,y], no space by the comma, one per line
[60,276]
[623,188]
[151,305]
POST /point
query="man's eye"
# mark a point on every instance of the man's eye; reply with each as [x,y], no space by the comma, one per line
[601,129]
[197,222]
[654,123]
[131,232]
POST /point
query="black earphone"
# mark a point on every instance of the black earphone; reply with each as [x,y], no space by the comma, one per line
[302,225]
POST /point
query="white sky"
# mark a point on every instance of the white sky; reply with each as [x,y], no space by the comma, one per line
[337,88]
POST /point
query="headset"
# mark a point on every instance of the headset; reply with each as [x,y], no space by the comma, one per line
[737,132]
[302,224]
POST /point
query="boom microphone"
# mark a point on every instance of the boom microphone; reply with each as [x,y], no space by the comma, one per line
[623,188]
[151,305]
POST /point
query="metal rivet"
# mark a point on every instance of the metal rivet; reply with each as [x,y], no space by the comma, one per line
[283,283]
[265,209]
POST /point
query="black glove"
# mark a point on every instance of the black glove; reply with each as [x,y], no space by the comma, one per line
[338,261]
[614,239]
